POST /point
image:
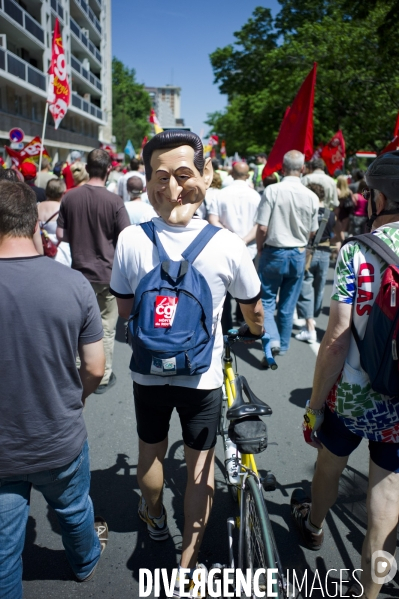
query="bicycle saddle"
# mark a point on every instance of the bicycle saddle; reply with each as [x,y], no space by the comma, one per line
[240,407]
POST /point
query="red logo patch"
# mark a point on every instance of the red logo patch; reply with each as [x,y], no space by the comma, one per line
[165,310]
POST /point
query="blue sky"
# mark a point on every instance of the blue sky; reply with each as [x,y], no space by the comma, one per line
[169,42]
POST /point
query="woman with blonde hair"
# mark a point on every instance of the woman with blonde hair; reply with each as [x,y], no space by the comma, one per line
[79,174]
[346,206]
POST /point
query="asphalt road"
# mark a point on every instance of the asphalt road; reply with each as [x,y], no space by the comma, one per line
[111,426]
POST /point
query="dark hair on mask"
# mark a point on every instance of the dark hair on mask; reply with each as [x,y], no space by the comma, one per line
[173,139]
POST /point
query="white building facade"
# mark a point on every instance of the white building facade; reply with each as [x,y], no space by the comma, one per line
[26,30]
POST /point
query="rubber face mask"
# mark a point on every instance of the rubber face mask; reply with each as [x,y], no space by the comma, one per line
[176,188]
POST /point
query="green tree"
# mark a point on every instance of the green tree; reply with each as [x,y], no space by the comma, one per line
[131,106]
[357,84]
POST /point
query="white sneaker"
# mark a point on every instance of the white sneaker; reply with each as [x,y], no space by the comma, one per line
[305,335]
[188,591]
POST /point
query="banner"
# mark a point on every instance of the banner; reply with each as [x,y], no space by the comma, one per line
[333,153]
[154,120]
[30,152]
[59,93]
[296,131]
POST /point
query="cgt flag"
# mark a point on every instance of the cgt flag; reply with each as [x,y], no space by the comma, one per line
[59,93]
[333,153]
[296,131]
[154,120]
[30,152]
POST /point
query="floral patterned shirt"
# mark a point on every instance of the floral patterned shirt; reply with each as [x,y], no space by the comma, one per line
[357,281]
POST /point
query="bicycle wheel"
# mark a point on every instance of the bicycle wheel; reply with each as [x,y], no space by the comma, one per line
[259,546]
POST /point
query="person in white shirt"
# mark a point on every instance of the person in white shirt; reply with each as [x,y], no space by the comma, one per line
[287,216]
[134,172]
[317,175]
[235,209]
[177,179]
[138,211]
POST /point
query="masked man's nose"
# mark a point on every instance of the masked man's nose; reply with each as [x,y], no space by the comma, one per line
[174,189]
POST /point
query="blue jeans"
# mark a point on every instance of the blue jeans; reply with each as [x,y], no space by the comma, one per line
[66,490]
[280,268]
[311,296]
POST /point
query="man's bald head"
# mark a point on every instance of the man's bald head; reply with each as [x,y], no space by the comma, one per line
[134,186]
[293,162]
[240,171]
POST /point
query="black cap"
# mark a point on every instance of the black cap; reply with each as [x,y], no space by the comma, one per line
[383,174]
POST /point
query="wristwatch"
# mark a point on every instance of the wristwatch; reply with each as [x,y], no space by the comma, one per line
[312,411]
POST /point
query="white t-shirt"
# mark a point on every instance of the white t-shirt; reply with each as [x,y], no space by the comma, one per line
[207,204]
[224,262]
[139,212]
[237,206]
[122,191]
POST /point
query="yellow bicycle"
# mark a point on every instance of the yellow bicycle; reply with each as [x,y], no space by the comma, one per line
[257,549]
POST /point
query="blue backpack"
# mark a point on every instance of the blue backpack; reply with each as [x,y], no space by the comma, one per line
[379,347]
[171,321]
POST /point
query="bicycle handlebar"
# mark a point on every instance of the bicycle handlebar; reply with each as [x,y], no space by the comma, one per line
[233,334]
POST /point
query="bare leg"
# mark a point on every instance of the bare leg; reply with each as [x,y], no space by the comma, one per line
[150,474]
[310,324]
[383,513]
[197,501]
[325,484]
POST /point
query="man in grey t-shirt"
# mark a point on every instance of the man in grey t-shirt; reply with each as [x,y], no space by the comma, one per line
[287,216]
[48,312]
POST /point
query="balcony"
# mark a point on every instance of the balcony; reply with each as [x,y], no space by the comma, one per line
[88,75]
[57,8]
[84,40]
[97,4]
[20,16]
[90,14]
[82,104]
[12,64]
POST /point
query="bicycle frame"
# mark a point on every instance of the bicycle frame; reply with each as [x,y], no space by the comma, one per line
[247,465]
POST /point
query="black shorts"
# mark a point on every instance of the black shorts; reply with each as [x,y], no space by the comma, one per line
[341,442]
[198,409]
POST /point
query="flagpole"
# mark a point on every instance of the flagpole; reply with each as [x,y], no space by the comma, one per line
[43,132]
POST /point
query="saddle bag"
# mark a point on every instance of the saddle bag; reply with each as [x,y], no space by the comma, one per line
[249,434]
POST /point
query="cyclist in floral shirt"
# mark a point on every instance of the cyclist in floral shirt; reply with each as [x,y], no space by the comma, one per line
[343,408]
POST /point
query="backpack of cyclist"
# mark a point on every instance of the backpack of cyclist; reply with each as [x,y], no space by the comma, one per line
[379,348]
[171,324]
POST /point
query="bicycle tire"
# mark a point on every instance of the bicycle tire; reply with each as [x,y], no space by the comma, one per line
[259,549]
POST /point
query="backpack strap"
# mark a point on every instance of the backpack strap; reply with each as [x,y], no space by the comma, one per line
[196,246]
[149,230]
[378,246]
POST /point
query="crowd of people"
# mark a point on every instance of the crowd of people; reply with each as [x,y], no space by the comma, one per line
[265,243]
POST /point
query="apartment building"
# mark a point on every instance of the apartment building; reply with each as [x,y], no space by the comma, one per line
[26,29]
[166,103]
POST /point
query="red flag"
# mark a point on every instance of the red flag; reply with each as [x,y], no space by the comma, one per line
[392,146]
[396,130]
[333,153]
[59,93]
[30,151]
[296,131]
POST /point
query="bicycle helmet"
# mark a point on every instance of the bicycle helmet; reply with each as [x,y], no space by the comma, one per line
[383,174]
